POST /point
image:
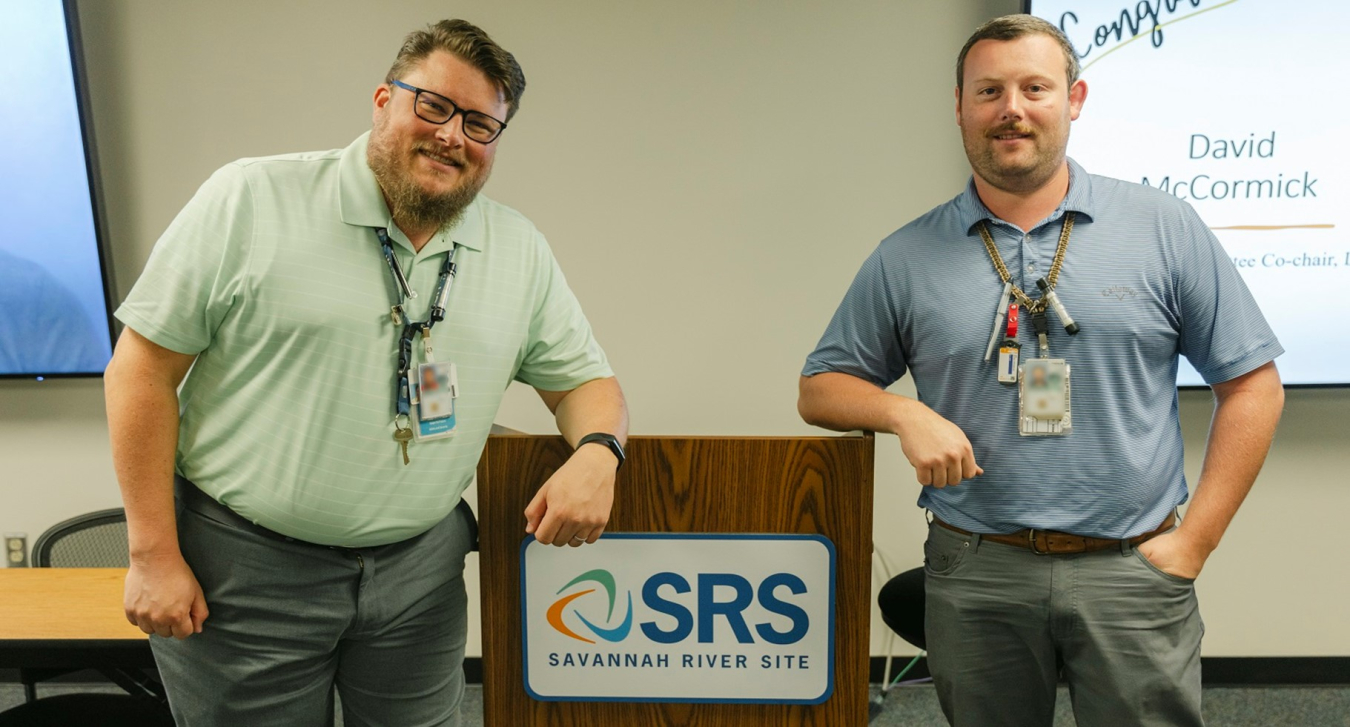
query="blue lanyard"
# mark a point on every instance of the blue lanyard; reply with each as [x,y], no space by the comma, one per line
[410,328]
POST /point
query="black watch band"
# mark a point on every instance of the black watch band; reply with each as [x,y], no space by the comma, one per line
[609,440]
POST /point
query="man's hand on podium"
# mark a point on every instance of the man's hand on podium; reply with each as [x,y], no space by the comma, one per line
[573,506]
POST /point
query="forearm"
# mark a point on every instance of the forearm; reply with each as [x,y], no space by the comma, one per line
[938,450]
[143,426]
[595,406]
[1239,438]
[573,506]
[842,402]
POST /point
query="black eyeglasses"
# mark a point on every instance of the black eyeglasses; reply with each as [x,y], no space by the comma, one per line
[437,109]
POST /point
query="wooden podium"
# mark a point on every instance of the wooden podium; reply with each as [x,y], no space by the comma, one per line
[813,485]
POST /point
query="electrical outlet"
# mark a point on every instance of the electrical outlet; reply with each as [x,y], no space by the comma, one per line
[16,550]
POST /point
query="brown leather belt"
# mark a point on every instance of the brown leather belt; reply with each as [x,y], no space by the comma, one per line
[1050,542]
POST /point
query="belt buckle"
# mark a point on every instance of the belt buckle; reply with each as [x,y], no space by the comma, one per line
[1031,542]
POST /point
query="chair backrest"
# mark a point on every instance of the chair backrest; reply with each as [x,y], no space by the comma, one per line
[94,540]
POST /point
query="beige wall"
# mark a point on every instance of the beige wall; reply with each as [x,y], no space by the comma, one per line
[755,153]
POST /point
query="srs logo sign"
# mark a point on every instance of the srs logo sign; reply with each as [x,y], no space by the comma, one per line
[606,580]
[732,609]
[680,617]
[708,608]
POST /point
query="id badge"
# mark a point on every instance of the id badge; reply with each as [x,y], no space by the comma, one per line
[436,389]
[1043,398]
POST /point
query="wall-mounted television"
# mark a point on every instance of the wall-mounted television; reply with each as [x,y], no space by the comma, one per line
[1232,105]
[55,292]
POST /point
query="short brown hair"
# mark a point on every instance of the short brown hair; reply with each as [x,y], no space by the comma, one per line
[1012,27]
[469,43]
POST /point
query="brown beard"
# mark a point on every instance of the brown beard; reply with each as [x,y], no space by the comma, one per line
[412,207]
[1017,181]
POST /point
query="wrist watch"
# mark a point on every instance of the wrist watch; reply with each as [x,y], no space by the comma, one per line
[609,440]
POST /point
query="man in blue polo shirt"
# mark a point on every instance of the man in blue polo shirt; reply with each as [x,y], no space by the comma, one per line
[1052,464]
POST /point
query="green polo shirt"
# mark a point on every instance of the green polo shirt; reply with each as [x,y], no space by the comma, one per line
[273,277]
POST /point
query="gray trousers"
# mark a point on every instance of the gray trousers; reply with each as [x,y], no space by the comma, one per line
[1002,623]
[291,622]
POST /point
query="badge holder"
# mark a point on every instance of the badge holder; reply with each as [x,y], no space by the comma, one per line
[1043,404]
[434,394]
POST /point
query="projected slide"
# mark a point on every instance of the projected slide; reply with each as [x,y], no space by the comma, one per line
[53,310]
[1234,106]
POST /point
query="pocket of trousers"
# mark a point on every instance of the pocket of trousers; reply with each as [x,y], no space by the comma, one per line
[1162,573]
[944,550]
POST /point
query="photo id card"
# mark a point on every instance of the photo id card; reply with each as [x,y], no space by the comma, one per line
[437,387]
[1043,398]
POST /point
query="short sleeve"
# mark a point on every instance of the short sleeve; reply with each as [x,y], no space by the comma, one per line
[1223,332]
[195,274]
[863,340]
[560,352]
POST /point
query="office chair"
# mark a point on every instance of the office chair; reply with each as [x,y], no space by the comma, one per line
[93,540]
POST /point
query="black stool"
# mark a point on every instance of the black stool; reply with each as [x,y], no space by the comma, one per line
[902,602]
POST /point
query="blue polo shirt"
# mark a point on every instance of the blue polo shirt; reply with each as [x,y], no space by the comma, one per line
[1144,278]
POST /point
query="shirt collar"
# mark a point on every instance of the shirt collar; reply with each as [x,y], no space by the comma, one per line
[1079,200]
[362,204]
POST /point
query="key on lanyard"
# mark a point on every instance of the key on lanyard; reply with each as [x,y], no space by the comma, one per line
[403,435]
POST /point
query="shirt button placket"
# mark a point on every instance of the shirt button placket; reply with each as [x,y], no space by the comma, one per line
[1029,258]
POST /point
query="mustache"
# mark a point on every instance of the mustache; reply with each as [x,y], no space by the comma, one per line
[1012,128]
[440,152]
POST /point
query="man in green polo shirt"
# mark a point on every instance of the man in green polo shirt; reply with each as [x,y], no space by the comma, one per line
[351,319]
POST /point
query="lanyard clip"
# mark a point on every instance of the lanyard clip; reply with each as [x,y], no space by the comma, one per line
[1042,326]
[426,343]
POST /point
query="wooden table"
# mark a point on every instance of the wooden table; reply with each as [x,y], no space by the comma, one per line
[61,619]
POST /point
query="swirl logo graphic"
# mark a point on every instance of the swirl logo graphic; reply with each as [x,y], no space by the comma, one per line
[603,579]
